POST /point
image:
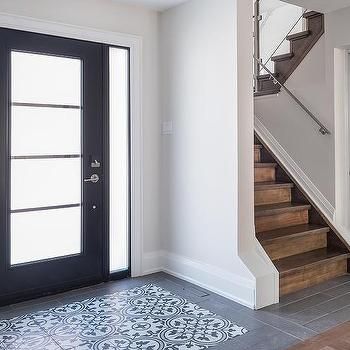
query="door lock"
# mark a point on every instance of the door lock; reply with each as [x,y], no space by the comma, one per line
[94,178]
[95,164]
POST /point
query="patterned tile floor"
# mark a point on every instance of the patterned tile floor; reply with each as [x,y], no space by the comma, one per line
[298,317]
[146,317]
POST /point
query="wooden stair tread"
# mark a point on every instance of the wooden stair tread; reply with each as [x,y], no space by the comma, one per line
[267,76]
[310,14]
[265,165]
[314,257]
[272,185]
[299,35]
[291,231]
[268,92]
[272,209]
[283,57]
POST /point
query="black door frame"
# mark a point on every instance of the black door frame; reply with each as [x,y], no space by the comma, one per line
[5,183]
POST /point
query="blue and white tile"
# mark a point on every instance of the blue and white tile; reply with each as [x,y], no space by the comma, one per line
[147,317]
[24,333]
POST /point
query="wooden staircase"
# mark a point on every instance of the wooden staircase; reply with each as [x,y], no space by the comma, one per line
[300,45]
[301,244]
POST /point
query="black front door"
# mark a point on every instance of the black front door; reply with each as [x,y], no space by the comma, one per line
[51,151]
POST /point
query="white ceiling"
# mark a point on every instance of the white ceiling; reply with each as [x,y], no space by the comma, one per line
[321,5]
[317,5]
[159,5]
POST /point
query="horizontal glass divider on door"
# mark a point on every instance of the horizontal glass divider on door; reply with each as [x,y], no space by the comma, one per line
[43,105]
[49,156]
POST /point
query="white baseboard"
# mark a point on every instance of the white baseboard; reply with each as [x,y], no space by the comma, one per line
[297,173]
[228,285]
[152,263]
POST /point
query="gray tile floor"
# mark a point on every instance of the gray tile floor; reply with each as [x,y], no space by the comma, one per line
[298,316]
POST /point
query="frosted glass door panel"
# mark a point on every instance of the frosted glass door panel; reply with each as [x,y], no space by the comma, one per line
[43,235]
[119,159]
[45,79]
[45,182]
[45,131]
[46,161]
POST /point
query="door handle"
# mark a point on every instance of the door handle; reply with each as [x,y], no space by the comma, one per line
[94,178]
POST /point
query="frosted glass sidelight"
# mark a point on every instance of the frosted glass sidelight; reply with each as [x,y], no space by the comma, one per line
[45,79]
[45,182]
[43,235]
[119,159]
[45,131]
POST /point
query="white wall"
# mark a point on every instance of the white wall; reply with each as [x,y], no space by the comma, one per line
[337,72]
[320,158]
[109,16]
[207,163]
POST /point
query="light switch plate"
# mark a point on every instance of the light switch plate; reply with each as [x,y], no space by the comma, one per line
[167,127]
